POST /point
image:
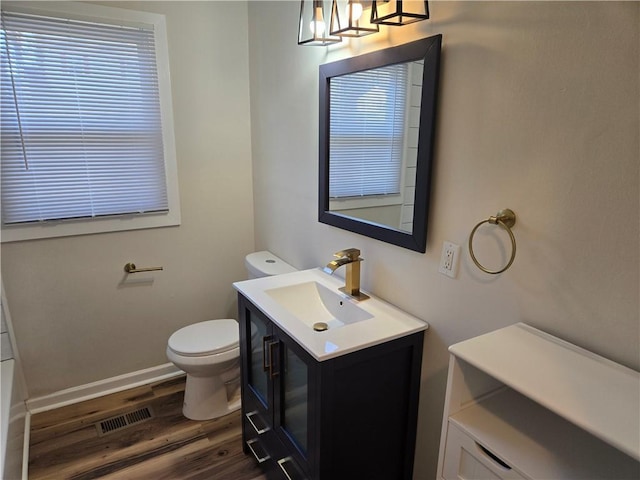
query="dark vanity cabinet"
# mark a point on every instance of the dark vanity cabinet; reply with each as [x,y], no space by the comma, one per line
[349,417]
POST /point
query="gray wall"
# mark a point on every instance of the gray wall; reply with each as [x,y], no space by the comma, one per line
[77,320]
[538,112]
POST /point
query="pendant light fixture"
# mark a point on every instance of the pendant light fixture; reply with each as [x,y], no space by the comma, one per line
[313,28]
[348,19]
[398,12]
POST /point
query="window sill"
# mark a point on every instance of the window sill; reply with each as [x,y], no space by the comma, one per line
[67,228]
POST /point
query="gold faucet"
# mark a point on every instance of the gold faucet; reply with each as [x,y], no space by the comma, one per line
[351,258]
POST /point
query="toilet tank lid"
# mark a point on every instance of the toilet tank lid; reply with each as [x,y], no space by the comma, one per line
[263,264]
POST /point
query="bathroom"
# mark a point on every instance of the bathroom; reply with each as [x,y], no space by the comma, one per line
[537,112]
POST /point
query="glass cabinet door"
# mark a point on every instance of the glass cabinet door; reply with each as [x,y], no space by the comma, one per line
[258,352]
[294,391]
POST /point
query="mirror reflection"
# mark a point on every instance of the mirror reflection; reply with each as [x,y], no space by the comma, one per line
[377,126]
[373,144]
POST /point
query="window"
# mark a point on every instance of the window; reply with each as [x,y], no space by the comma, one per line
[367,138]
[87,135]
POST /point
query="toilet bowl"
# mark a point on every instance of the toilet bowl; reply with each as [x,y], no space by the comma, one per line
[209,353]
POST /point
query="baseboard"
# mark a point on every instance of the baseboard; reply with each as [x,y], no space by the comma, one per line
[103,387]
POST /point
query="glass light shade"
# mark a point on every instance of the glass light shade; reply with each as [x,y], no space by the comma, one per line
[398,12]
[348,19]
[313,28]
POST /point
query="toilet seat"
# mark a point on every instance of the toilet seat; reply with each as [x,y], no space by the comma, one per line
[205,338]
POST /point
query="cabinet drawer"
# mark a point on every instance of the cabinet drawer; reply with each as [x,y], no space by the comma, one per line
[464,458]
[260,439]
[290,469]
[267,449]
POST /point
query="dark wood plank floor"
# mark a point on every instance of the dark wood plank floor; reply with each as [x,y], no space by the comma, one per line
[65,443]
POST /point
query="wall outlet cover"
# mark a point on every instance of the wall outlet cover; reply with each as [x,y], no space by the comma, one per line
[449,259]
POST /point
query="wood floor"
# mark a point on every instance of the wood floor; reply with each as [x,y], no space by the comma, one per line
[65,443]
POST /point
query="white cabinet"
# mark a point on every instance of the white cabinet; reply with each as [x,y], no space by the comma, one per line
[523,404]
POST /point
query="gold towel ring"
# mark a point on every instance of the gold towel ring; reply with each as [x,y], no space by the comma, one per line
[506,219]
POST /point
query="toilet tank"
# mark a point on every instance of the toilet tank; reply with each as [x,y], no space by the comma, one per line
[265,264]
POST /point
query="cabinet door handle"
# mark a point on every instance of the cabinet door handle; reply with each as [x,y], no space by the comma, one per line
[265,339]
[258,430]
[272,371]
[258,457]
[493,457]
[297,476]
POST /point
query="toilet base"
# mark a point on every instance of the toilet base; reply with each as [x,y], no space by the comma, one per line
[206,398]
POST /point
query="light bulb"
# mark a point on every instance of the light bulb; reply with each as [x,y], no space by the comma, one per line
[317,25]
[356,11]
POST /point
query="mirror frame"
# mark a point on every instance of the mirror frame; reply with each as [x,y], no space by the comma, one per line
[427,49]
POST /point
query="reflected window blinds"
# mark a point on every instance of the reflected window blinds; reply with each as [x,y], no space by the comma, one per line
[367,122]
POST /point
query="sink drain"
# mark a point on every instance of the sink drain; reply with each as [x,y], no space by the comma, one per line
[320,326]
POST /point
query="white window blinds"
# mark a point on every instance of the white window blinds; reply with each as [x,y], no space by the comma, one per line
[367,111]
[81,123]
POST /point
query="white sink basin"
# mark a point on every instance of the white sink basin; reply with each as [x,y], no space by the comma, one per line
[296,301]
[314,303]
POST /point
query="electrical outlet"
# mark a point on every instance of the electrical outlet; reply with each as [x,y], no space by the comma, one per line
[449,259]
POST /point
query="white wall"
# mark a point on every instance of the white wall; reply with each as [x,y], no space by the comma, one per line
[76,319]
[538,112]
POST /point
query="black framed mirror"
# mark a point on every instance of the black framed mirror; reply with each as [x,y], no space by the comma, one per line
[377,129]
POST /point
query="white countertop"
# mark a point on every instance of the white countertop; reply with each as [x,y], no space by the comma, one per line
[388,322]
[592,392]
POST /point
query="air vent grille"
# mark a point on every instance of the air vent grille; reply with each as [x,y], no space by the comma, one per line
[115,424]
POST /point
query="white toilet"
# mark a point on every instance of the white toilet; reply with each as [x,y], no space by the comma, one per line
[209,353]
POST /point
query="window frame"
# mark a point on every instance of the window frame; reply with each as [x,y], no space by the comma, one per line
[114,223]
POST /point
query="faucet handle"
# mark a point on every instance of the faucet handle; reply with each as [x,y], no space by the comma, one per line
[350,253]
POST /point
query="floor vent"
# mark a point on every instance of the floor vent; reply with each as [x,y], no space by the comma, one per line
[115,424]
